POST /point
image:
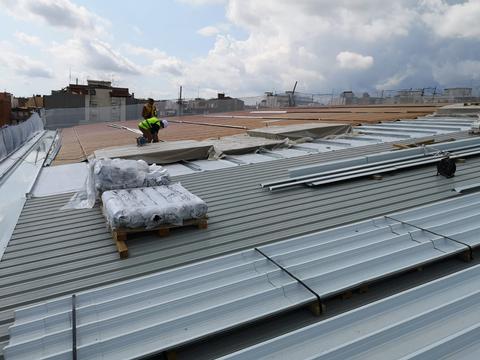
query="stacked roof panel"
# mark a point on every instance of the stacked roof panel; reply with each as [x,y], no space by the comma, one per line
[335,260]
[155,313]
[438,320]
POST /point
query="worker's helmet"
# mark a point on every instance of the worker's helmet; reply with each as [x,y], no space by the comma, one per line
[164,123]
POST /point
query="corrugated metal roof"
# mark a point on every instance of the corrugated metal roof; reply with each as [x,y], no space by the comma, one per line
[438,320]
[342,258]
[158,312]
[54,253]
[229,291]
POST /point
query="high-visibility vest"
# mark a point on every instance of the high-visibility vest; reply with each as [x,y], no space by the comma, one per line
[147,124]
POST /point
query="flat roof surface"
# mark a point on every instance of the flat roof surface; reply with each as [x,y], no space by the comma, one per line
[80,141]
[53,253]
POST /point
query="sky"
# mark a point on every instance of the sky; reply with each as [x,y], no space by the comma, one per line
[240,47]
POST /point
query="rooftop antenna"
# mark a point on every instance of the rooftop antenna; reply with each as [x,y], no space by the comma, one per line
[70,75]
[292,100]
[180,102]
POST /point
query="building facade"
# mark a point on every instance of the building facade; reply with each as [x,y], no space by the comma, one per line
[5,108]
[98,101]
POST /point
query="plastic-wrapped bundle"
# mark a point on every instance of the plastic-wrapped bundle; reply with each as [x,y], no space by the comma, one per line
[194,207]
[156,176]
[152,206]
[127,174]
[116,174]
[116,206]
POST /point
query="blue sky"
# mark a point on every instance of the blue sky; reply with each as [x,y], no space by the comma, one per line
[168,25]
[241,47]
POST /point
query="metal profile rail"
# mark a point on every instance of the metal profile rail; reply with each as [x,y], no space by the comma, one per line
[401,125]
[394,129]
[376,159]
[385,133]
[364,170]
[377,164]
[396,167]
[440,319]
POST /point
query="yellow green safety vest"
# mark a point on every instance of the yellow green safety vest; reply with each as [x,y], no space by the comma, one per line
[147,124]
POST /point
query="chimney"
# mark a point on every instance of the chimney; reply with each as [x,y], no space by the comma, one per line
[221,95]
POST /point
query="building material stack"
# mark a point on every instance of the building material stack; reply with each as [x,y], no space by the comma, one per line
[137,197]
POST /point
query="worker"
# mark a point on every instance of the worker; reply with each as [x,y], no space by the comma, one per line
[149,110]
[150,127]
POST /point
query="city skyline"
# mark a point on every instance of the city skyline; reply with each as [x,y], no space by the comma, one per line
[241,48]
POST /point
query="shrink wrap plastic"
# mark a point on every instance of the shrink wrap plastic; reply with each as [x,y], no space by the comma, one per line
[150,207]
[114,174]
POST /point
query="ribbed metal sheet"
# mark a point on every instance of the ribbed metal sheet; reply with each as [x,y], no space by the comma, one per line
[54,253]
[335,260]
[185,304]
[438,320]
[438,128]
[399,130]
[457,220]
[151,314]
[178,169]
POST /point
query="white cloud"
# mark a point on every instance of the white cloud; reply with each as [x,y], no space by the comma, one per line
[394,81]
[457,72]
[23,65]
[28,39]
[296,41]
[306,40]
[57,13]
[94,54]
[367,20]
[270,44]
[457,20]
[351,60]
[161,63]
[208,31]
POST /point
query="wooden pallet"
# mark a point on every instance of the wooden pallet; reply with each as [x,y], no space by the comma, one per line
[121,235]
